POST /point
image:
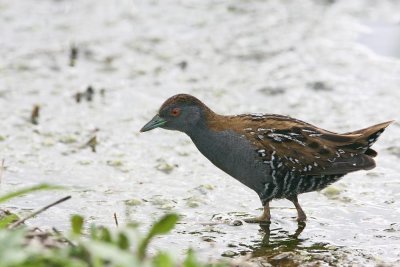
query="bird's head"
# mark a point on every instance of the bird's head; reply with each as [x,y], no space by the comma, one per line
[180,112]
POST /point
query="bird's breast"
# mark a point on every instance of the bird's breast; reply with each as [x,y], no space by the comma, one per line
[233,154]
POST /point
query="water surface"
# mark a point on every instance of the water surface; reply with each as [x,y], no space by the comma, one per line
[299,58]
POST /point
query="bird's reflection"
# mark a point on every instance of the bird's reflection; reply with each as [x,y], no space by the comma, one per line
[288,240]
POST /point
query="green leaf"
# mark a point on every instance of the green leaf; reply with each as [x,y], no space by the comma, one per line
[110,253]
[11,252]
[77,224]
[123,241]
[24,191]
[190,260]
[163,226]
[105,235]
[93,232]
[162,259]
[7,220]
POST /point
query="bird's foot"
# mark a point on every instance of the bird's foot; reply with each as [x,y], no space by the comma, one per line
[265,218]
[260,219]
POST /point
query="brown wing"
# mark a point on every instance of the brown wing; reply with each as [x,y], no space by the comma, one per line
[305,149]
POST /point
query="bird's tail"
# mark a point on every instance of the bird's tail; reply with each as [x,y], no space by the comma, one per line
[366,138]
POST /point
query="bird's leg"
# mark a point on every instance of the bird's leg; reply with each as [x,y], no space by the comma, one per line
[301,216]
[265,217]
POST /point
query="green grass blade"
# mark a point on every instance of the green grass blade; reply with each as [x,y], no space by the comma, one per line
[163,226]
[31,189]
[77,224]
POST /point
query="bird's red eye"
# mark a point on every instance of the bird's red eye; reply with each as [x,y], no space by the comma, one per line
[175,112]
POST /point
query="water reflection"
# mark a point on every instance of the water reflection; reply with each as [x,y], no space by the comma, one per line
[278,238]
[280,247]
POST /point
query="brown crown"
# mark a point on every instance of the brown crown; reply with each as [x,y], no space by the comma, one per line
[184,99]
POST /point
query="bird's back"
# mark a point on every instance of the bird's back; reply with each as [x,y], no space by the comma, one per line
[300,157]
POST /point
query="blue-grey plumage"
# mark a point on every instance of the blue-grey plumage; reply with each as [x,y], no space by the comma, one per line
[276,156]
[233,154]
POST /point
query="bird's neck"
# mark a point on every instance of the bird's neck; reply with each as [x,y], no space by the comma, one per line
[204,126]
[209,142]
[213,137]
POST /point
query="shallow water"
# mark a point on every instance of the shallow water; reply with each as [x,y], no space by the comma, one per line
[297,58]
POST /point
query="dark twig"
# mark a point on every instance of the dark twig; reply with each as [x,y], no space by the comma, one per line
[115,219]
[92,143]
[89,93]
[60,235]
[13,225]
[35,114]
[73,55]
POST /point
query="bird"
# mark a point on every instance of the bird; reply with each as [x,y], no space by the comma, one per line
[277,156]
